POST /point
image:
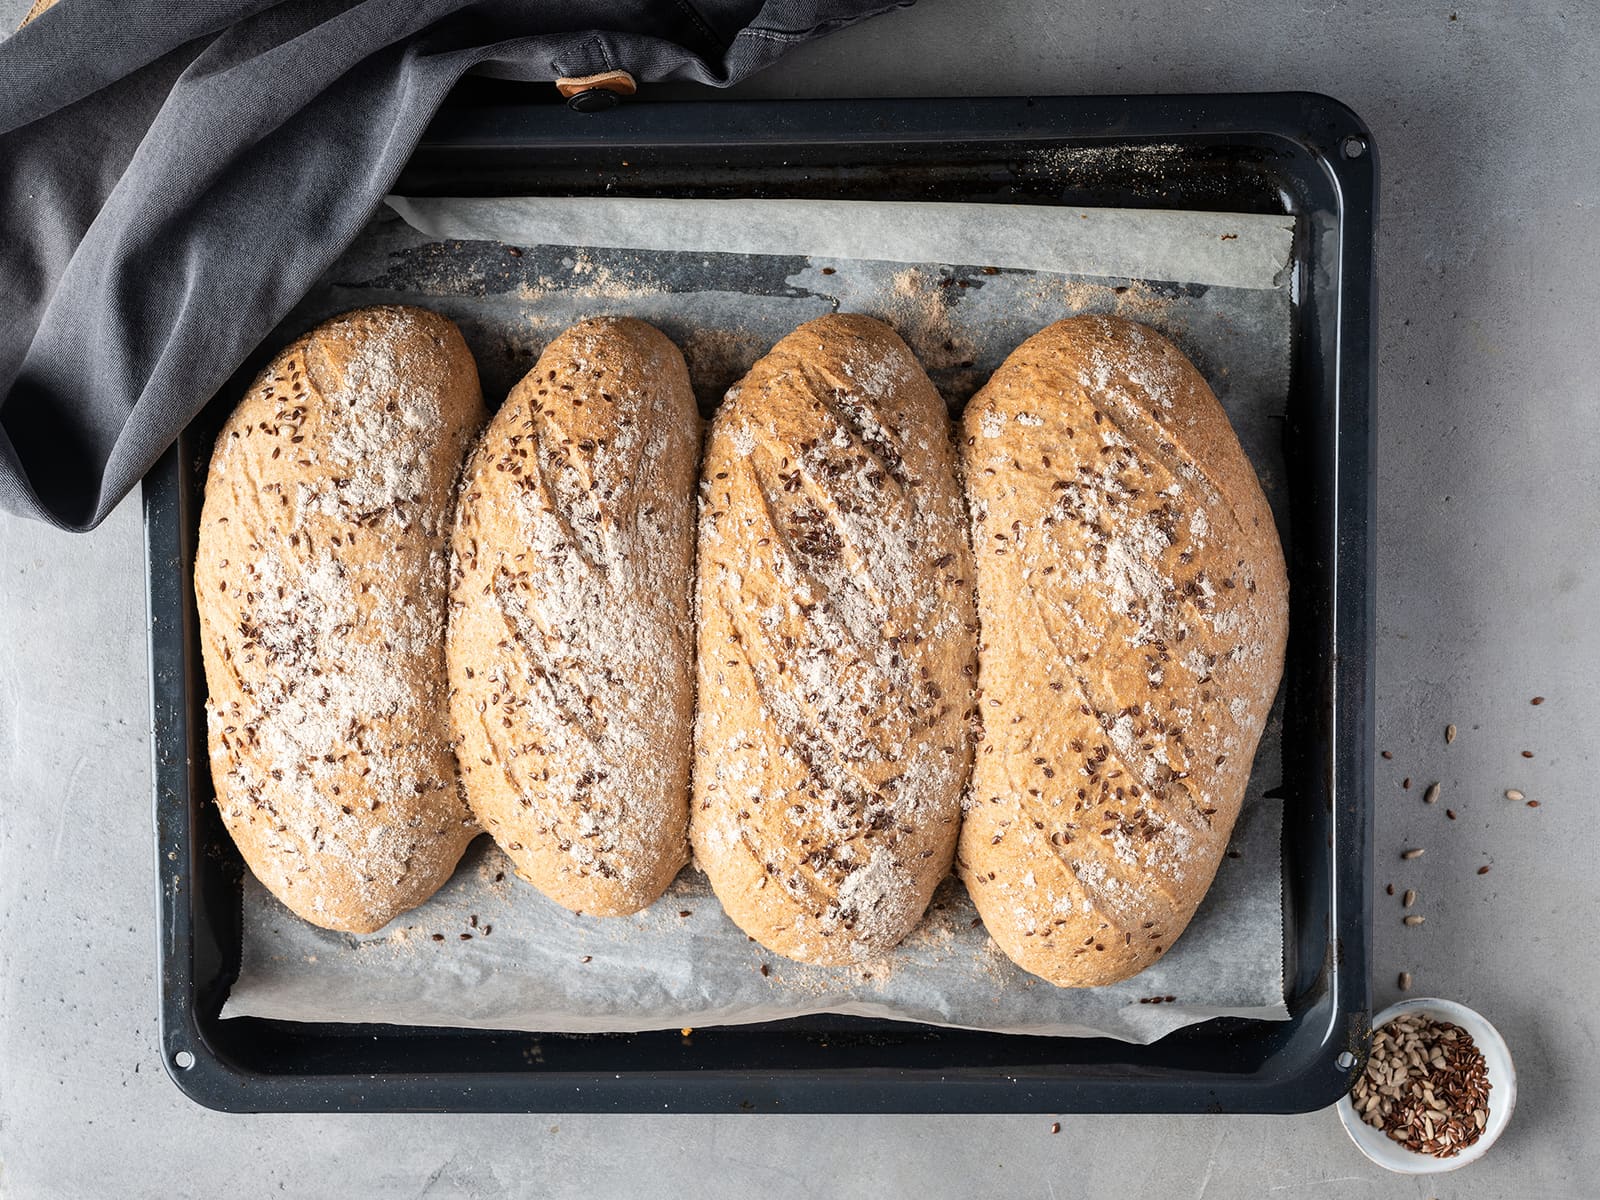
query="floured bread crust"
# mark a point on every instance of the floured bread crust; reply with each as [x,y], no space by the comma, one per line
[571,636]
[836,645]
[320,585]
[1133,603]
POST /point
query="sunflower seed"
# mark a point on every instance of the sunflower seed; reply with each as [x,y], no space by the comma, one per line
[1449,734]
[1431,796]
[1414,919]
[1414,852]
[1513,794]
[1409,898]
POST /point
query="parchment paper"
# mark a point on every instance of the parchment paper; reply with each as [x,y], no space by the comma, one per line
[726,279]
[1221,249]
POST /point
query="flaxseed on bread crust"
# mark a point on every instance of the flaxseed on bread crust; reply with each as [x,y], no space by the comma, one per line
[836,645]
[1133,603]
[320,585]
[571,644]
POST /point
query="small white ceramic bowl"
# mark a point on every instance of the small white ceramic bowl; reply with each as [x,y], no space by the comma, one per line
[1390,1154]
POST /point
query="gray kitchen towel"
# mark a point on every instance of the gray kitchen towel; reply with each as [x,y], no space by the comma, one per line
[175,175]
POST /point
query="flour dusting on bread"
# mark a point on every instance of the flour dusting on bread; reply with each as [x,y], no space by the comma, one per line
[320,585]
[836,619]
[571,642]
[1132,596]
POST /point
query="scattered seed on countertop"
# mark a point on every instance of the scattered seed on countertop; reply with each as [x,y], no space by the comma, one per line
[1409,898]
[1404,981]
[1451,813]
[1513,794]
[1055,1127]
[587,958]
[1527,754]
[1533,804]
[1406,783]
[1431,796]
[1483,870]
[1389,889]
[1386,754]
[1449,734]
[1537,700]
[1414,852]
[1414,919]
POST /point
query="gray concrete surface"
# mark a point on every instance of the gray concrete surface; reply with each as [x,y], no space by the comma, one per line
[1485,115]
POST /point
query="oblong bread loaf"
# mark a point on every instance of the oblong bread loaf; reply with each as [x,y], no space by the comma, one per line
[1133,603]
[320,583]
[836,645]
[571,641]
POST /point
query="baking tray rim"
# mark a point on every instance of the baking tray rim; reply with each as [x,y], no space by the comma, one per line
[1328,1036]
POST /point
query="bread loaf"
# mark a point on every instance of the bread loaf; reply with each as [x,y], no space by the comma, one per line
[320,584]
[1133,604]
[836,645]
[571,642]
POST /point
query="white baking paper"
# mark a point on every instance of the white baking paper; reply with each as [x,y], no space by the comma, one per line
[1222,249]
[964,284]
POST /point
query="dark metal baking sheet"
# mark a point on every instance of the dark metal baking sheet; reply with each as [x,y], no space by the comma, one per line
[1296,153]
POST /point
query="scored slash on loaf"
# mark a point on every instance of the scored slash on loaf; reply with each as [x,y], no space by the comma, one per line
[320,587]
[1133,602]
[571,642]
[836,645]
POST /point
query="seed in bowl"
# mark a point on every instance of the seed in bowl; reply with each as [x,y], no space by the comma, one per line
[1425,1085]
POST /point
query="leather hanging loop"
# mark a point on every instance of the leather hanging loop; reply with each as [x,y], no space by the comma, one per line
[594,93]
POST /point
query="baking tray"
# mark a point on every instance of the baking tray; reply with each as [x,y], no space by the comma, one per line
[1294,153]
